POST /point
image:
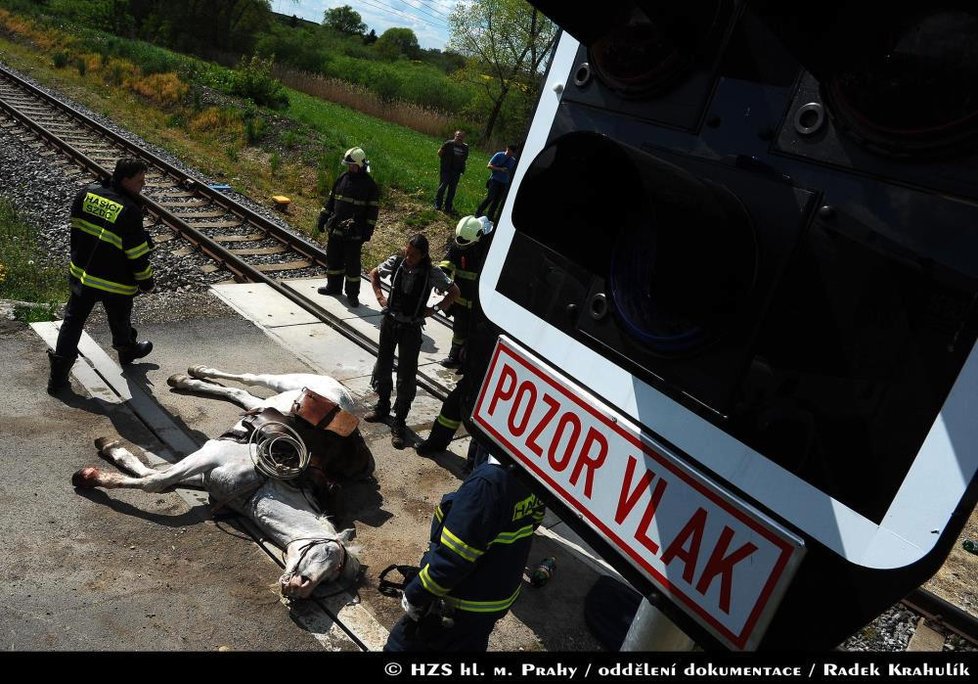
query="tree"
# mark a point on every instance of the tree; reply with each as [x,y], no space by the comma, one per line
[345,20]
[370,38]
[398,42]
[507,38]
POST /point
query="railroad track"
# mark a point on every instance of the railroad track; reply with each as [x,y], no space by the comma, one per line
[236,239]
[245,244]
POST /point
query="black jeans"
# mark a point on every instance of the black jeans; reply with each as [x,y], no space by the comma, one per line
[489,206]
[406,338]
[118,311]
[446,189]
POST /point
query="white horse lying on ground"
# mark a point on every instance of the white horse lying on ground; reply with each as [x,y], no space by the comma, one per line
[256,468]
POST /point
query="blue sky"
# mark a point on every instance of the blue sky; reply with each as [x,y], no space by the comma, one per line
[427,18]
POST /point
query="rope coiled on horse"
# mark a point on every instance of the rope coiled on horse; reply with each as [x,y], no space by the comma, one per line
[278,451]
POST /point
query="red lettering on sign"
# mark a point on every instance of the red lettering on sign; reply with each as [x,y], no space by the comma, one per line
[627,501]
[527,389]
[561,462]
[693,532]
[506,373]
[723,566]
[531,441]
[592,463]
[641,534]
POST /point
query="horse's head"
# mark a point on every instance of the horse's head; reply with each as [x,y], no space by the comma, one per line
[311,562]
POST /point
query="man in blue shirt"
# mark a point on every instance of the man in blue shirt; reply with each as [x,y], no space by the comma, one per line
[502,166]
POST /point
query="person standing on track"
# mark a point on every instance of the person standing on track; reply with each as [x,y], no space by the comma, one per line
[350,216]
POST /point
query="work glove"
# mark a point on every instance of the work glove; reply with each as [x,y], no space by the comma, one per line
[414,612]
[323,219]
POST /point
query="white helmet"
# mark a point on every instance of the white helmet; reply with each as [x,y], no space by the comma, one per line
[470,229]
[355,156]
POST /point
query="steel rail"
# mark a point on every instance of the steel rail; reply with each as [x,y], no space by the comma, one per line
[241,269]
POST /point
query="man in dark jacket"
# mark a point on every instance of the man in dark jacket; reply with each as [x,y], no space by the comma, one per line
[350,216]
[453,154]
[472,572]
[109,264]
[412,277]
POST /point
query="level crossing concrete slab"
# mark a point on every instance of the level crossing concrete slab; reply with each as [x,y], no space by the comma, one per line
[105,378]
[90,570]
[392,516]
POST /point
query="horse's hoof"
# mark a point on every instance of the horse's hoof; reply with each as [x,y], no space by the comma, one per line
[178,380]
[103,443]
[85,478]
[197,371]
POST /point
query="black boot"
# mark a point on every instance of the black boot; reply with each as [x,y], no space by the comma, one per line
[398,433]
[60,369]
[454,358]
[131,352]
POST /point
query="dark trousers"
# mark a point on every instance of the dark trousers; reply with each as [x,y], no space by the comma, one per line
[343,265]
[469,633]
[406,338]
[461,322]
[449,419]
[118,311]
[490,205]
[446,189]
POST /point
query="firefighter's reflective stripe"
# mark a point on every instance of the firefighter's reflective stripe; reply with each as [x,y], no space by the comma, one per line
[447,422]
[145,274]
[103,234]
[137,251]
[100,284]
[482,606]
[462,301]
[335,271]
[510,537]
[356,202]
[430,584]
[452,542]
[466,275]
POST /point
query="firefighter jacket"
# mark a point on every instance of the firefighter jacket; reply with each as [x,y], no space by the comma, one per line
[480,541]
[353,205]
[109,248]
[463,265]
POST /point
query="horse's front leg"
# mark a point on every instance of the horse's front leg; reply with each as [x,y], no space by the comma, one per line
[112,450]
[147,479]
[239,396]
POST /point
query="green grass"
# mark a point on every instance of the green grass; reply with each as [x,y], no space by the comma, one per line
[23,274]
[399,157]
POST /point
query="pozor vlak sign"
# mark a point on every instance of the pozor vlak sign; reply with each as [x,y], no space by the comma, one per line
[728,227]
[726,563]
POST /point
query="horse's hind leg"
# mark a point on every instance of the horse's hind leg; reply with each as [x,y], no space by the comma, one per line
[239,396]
